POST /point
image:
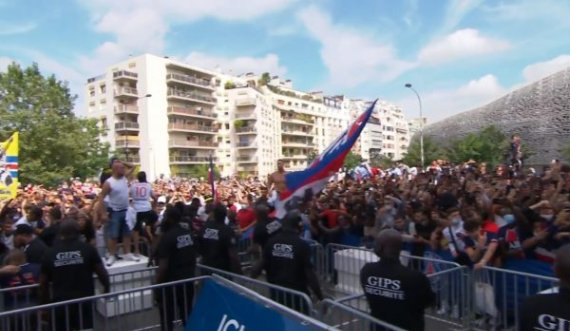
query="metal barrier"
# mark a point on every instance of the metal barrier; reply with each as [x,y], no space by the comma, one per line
[343,264]
[245,252]
[293,299]
[498,294]
[342,317]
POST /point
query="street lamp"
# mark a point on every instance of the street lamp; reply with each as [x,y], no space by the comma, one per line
[408,85]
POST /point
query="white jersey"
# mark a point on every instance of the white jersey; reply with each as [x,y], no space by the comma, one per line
[141,193]
[119,194]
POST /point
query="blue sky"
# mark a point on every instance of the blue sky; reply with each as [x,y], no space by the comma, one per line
[458,54]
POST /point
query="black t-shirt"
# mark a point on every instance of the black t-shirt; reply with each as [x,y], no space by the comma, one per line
[396,294]
[546,312]
[35,251]
[177,246]
[265,230]
[70,265]
[286,257]
[49,234]
[215,241]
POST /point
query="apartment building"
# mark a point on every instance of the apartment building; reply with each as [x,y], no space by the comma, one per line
[170,118]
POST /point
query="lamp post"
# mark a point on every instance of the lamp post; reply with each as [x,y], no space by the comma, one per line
[408,85]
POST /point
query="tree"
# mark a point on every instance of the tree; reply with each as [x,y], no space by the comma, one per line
[238,124]
[193,171]
[264,79]
[431,152]
[229,85]
[312,155]
[489,145]
[352,160]
[55,144]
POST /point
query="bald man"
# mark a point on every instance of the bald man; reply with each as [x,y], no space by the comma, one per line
[395,294]
[550,311]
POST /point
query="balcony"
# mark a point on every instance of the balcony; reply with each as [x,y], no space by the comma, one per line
[192,128]
[190,96]
[190,112]
[288,156]
[190,159]
[246,130]
[189,80]
[247,169]
[126,92]
[245,102]
[126,126]
[247,144]
[198,144]
[125,75]
[133,159]
[247,159]
[126,109]
[290,132]
[244,116]
[298,120]
[127,143]
[297,144]
[403,131]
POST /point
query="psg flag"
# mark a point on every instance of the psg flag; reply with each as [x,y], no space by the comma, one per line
[302,184]
[211,178]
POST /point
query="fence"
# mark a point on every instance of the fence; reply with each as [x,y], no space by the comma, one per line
[295,300]
[498,294]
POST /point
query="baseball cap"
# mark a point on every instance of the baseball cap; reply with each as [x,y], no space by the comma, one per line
[23,229]
[161,199]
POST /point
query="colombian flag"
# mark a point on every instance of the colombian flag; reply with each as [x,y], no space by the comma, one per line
[9,167]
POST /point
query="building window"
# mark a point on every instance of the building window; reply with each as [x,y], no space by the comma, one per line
[91,92]
[132,65]
[103,89]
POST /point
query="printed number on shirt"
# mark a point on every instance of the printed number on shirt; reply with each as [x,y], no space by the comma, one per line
[140,191]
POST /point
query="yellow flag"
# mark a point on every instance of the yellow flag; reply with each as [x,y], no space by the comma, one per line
[9,167]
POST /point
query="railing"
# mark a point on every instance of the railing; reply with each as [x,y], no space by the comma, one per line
[290,131]
[126,91]
[125,74]
[345,318]
[191,95]
[127,143]
[245,129]
[247,144]
[190,112]
[191,159]
[186,127]
[126,125]
[126,109]
[296,143]
[241,102]
[298,120]
[191,143]
[189,79]
[245,115]
[247,159]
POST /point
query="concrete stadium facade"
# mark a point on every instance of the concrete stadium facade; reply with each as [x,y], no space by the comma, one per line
[539,112]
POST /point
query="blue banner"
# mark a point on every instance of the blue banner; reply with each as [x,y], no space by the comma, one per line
[220,308]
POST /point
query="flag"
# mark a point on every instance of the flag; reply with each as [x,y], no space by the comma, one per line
[212,178]
[312,180]
[9,167]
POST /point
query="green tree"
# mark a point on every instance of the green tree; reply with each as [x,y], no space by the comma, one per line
[194,171]
[238,124]
[264,79]
[352,160]
[229,85]
[55,144]
[312,155]
[432,151]
[488,145]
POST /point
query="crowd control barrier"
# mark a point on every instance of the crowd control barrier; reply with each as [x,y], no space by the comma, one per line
[346,318]
[498,294]
[293,299]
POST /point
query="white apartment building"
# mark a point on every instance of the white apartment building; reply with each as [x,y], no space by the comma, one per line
[170,117]
[415,124]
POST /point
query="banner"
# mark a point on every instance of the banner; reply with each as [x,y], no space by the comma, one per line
[303,184]
[220,308]
[9,168]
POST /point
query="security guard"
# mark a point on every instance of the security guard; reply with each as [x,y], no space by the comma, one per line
[287,261]
[395,294]
[265,227]
[550,311]
[69,266]
[176,256]
[218,243]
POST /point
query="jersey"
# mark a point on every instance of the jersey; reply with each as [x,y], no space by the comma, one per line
[396,294]
[119,194]
[141,194]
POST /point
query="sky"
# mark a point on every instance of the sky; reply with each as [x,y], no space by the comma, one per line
[458,54]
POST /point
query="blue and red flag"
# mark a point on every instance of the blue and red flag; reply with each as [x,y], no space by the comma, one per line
[313,179]
[212,178]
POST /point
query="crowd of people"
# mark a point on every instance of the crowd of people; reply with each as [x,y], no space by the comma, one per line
[467,213]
